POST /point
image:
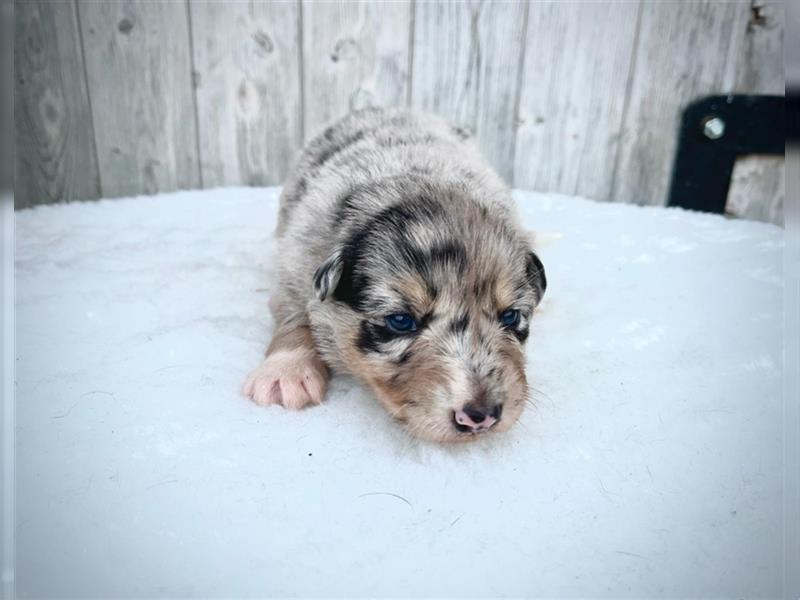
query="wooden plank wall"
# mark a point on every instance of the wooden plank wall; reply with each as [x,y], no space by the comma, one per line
[56,159]
[247,72]
[755,67]
[133,97]
[355,54]
[467,68]
[573,96]
[138,70]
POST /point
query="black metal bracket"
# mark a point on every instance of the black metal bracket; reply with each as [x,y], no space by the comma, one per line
[793,115]
[714,131]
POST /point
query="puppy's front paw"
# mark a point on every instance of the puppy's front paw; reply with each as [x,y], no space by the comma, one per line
[292,378]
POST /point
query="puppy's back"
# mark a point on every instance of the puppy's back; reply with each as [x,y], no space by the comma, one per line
[377,143]
[359,166]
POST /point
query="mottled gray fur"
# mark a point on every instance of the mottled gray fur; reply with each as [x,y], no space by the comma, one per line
[390,211]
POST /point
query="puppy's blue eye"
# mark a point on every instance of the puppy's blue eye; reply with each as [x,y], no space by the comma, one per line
[509,318]
[401,323]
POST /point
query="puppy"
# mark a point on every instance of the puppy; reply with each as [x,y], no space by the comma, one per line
[401,261]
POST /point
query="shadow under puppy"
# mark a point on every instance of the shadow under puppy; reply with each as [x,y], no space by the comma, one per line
[401,261]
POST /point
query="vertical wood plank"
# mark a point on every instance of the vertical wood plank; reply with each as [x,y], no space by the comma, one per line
[466,67]
[55,154]
[247,80]
[355,54]
[680,54]
[758,188]
[755,63]
[577,63]
[6,101]
[755,66]
[139,72]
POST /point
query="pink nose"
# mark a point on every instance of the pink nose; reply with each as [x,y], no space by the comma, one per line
[474,420]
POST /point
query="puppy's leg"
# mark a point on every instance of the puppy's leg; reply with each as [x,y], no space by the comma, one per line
[292,373]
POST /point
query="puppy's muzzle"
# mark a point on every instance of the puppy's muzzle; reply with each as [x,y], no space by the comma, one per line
[475,419]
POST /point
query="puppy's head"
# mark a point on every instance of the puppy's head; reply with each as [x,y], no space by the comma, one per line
[429,300]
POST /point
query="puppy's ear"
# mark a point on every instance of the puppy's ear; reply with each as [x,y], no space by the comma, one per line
[534,270]
[327,276]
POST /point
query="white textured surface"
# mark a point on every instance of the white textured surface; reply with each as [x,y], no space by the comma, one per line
[651,465]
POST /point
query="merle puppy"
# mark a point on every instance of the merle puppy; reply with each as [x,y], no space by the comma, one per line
[402,262]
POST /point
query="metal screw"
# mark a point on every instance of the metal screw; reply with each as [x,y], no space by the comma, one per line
[713,128]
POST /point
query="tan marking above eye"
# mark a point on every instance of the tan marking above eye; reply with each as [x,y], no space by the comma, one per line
[413,291]
[504,292]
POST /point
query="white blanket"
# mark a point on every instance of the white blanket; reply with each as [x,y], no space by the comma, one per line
[650,466]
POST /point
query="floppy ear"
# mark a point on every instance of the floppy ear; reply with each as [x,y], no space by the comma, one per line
[327,276]
[534,270]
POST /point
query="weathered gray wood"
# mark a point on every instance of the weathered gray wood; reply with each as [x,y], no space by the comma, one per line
[139,72]
[758,189]
[756,66]
[577,63]
[681,53]
[355,54]
[6,100]
[247,80]
[55,155]
[466,68]
[544,86]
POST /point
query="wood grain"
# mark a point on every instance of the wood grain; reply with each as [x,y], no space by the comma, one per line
[755,66]
[355,54]
[577,63]
[139,72]
[6,100]
[466,68]
[138,97]
[247,80]
[758,188]
[55,155]
[681,54]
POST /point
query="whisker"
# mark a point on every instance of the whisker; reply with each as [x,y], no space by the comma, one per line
[540,391]
[519,423]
